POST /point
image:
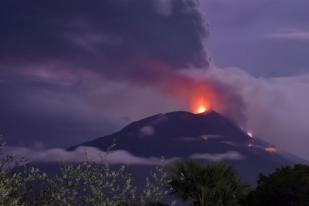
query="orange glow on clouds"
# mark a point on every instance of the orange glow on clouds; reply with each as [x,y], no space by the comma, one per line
[201,97]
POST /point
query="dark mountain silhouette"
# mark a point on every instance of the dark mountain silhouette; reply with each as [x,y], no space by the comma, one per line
[207,136]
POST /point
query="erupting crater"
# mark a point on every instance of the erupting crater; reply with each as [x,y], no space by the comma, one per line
[200,105]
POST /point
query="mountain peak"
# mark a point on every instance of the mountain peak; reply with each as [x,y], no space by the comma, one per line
[183,123]
[178,115]
[207,136]
[175,126]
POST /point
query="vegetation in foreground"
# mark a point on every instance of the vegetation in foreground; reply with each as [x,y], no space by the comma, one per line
[212,185]
[191,183]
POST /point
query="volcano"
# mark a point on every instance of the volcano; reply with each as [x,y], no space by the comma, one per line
[206,137]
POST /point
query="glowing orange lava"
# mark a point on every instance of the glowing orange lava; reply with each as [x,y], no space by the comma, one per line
[201,109]
[270,149]
[200,105]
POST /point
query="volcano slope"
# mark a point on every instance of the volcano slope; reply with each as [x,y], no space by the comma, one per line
[206,137]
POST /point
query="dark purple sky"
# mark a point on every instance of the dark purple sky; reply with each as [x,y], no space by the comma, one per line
[71,71]
[264,37]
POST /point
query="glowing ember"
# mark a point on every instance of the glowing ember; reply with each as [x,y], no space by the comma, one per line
[270,149]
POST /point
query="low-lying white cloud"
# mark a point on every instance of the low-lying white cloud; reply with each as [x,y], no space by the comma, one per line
[113,157]
[230,155]
[293,34]
[83,154]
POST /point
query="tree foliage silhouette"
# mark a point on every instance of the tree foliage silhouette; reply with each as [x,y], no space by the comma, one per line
[213,185]
[287,186]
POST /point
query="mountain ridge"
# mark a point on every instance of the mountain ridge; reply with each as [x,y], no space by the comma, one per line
[206,137]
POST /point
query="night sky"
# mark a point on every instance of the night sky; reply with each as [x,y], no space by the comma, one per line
[71,71]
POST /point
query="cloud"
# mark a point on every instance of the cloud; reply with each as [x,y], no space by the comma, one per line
[61,114]
[275,109]
[83,154]
[238,29]
[230,155]
[132,42]
[77,65]
[293,34]
[113,157]
[146,35]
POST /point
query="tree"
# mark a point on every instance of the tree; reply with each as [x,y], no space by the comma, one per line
[213,185]
[10,181]
[85,183]
[156,187]
[287,186]
[92,184]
